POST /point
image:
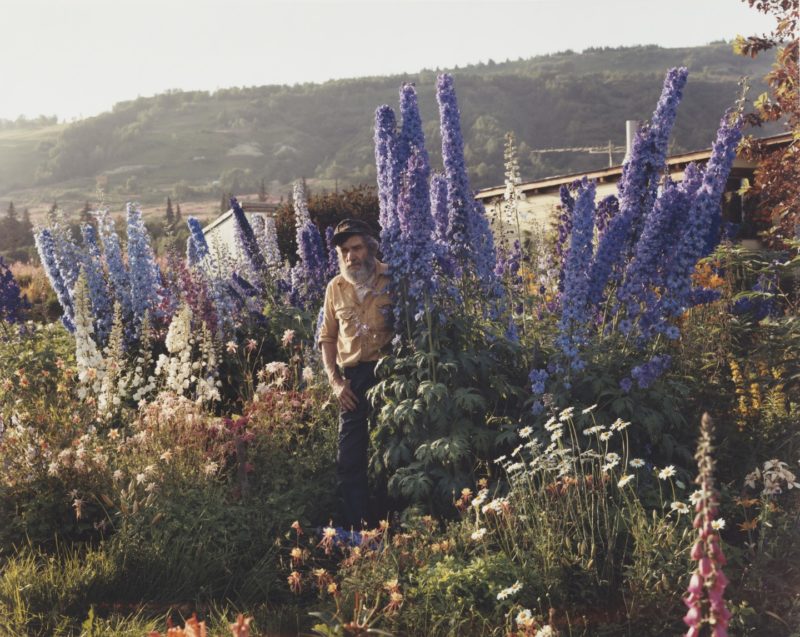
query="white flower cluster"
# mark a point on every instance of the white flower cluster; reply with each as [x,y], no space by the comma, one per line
[775,472]
[91,368]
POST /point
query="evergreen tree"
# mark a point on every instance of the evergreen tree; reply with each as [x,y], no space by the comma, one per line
[170,214]
[11,212]
[178,215]
[262,191]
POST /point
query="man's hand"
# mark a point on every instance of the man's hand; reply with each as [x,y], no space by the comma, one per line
[347,398]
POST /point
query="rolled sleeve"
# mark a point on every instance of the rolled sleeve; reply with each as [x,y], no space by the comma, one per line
[329,330]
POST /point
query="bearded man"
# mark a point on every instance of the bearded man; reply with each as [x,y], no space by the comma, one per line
[354,334]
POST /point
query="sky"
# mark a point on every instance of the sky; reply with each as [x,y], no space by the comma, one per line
[76,58]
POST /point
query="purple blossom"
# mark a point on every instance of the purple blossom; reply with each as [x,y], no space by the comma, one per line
[565,211]
[145,278]
[538,378]
[575,314]
[438,188]
[411,138]
[99,294]
[247,241]
[117,272]
[308,274]
[46,249]
[12,303]
[650,371]
[388,176]
[638,185]
[196,241]
[333,258]
[607,209]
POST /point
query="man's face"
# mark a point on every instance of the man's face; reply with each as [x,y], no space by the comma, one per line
[355,261]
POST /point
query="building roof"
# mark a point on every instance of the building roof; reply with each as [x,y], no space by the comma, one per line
[675,163]
[247,206]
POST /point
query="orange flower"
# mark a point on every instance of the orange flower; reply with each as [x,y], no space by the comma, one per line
[748,525]
[746,502]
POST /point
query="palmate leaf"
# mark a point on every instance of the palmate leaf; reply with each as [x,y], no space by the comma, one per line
[468,399]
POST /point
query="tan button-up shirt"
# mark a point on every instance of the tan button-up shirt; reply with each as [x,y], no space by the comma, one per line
[360,329]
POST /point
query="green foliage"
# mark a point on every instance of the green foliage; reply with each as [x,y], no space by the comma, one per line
[446,408]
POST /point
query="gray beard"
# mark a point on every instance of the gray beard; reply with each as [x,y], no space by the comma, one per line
[361,275]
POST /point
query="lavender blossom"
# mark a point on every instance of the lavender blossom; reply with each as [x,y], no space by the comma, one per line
[650,371]
[438,188]
[607,209]
[12,303]
[638,185]
[411,138]
[565,212]
[117,272]
[99,294]
[308,274]
[575,313]
[248,242]
[333,258]
[388,177]
[145,278]
[46,249]
[198,239]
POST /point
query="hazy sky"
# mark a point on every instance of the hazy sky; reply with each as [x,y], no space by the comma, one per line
[78,57]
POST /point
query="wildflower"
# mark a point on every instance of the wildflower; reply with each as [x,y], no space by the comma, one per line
[210,468]
[526,432]
[483,494]
[117,475]
[606,436]
[524,619]
[556,435]
[625,480]
[478,535]
[395,601]
[307,375]
[166,456]
[667,472]
[287,338]
[589,409]
[516,466]
[566,413]
[328,538]
[637,463]
[619,425]
[140,478]
[748,525]
[251,345]
[231,347]
[718,524]
[333,589]
[295,582]
[679,507]
[546,631]
[612,458]
[511,590]
[500,459]
[297,528]
[593,430]
[297,555]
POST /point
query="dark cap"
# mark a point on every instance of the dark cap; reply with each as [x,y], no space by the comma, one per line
[348,227]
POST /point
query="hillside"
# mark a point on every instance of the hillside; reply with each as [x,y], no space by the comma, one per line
[197,145]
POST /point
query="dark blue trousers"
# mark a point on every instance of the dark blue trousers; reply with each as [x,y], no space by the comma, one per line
[351,458]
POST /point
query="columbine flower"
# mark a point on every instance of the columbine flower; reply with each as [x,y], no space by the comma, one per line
[637,463]
[231,347]
[511,590]
[478,535]
[625,480]
[679,507]
[287,338]
[667,472]
[295,582]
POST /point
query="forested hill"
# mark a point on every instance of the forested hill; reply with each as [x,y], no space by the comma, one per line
[196,144]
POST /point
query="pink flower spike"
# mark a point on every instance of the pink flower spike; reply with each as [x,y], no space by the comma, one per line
[696,584]
[698,520]
[720,631]
[698,551]
[692,617]
[705,567]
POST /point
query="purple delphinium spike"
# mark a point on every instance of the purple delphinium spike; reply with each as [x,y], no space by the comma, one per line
[565,211]
[575,314]
[248,242]
[459,195]
[12,302]
[413,260]
[438,188]
[388,178]
[638,185]
[308,274]
[411,138]
[99,295]
[198,238]
[46,249]
[117,272]
[607,209]
[705,208]
[146,288]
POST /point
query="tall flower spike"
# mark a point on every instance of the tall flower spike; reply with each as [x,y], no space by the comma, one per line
[46,249]
[575,312]
[198,238]
[638,185]
[99,295]
[247,239]
[333,258]
[145,277]
[439,207]
[388,179]
[117,272]
[705,599]
[411,138]
[308,274]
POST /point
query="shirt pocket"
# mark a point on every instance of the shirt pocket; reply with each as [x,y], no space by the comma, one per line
[348,322]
